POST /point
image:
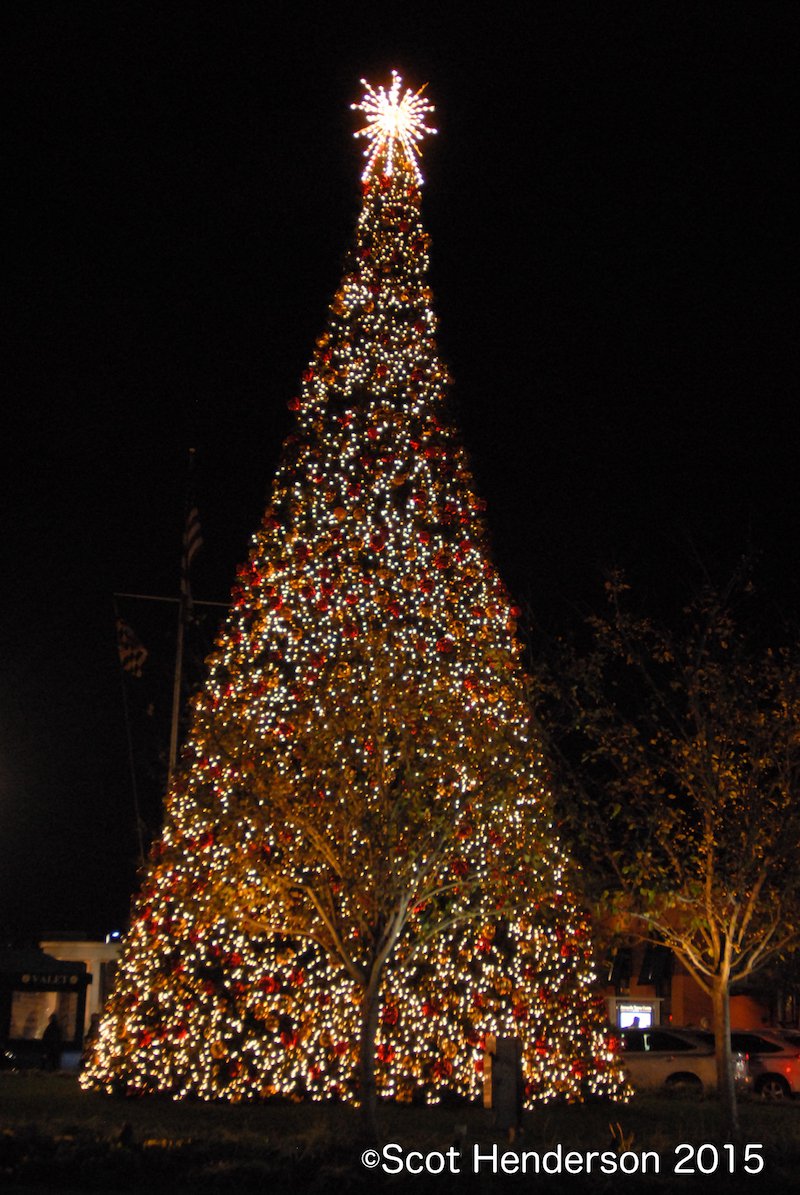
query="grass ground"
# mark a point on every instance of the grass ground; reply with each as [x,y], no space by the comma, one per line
[53,1137]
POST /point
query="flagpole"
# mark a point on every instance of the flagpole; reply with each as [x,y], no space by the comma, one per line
[192,542]
[134,787]
[176,691]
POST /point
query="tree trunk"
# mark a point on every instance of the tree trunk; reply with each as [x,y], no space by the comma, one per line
[721,1003]
[367,1093]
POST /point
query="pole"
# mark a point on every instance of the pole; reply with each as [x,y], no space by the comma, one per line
[134,787]
[191,543]
[176,692]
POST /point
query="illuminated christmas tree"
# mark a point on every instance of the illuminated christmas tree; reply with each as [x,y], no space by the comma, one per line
[358,878]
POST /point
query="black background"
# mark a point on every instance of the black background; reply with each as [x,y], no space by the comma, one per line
[613,249]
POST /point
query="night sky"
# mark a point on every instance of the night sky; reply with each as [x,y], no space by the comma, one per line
[613,252]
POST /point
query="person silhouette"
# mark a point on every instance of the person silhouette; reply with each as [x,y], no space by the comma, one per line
[52,1041]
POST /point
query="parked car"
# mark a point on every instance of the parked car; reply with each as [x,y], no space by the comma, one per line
[676,1059]
[774,1061]
[8,1059]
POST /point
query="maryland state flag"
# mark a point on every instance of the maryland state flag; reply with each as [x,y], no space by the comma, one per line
[132,653]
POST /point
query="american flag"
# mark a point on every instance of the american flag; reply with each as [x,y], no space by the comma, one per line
[192,543]
[132,653]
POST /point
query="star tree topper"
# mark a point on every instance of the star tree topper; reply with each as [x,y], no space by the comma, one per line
[395,126]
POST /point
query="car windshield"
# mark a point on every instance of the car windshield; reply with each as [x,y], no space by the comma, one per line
[748,1043]
[636,1041]
[751,1043]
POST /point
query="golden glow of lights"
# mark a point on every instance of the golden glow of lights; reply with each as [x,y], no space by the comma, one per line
[395,126]
[369,594]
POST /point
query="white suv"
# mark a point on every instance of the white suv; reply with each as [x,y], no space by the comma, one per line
[774,1061]
[678,1059]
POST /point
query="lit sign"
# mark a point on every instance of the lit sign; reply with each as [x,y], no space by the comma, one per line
[634,1016]
[47,982]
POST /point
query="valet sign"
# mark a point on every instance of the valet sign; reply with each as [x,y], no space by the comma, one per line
[48,982]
